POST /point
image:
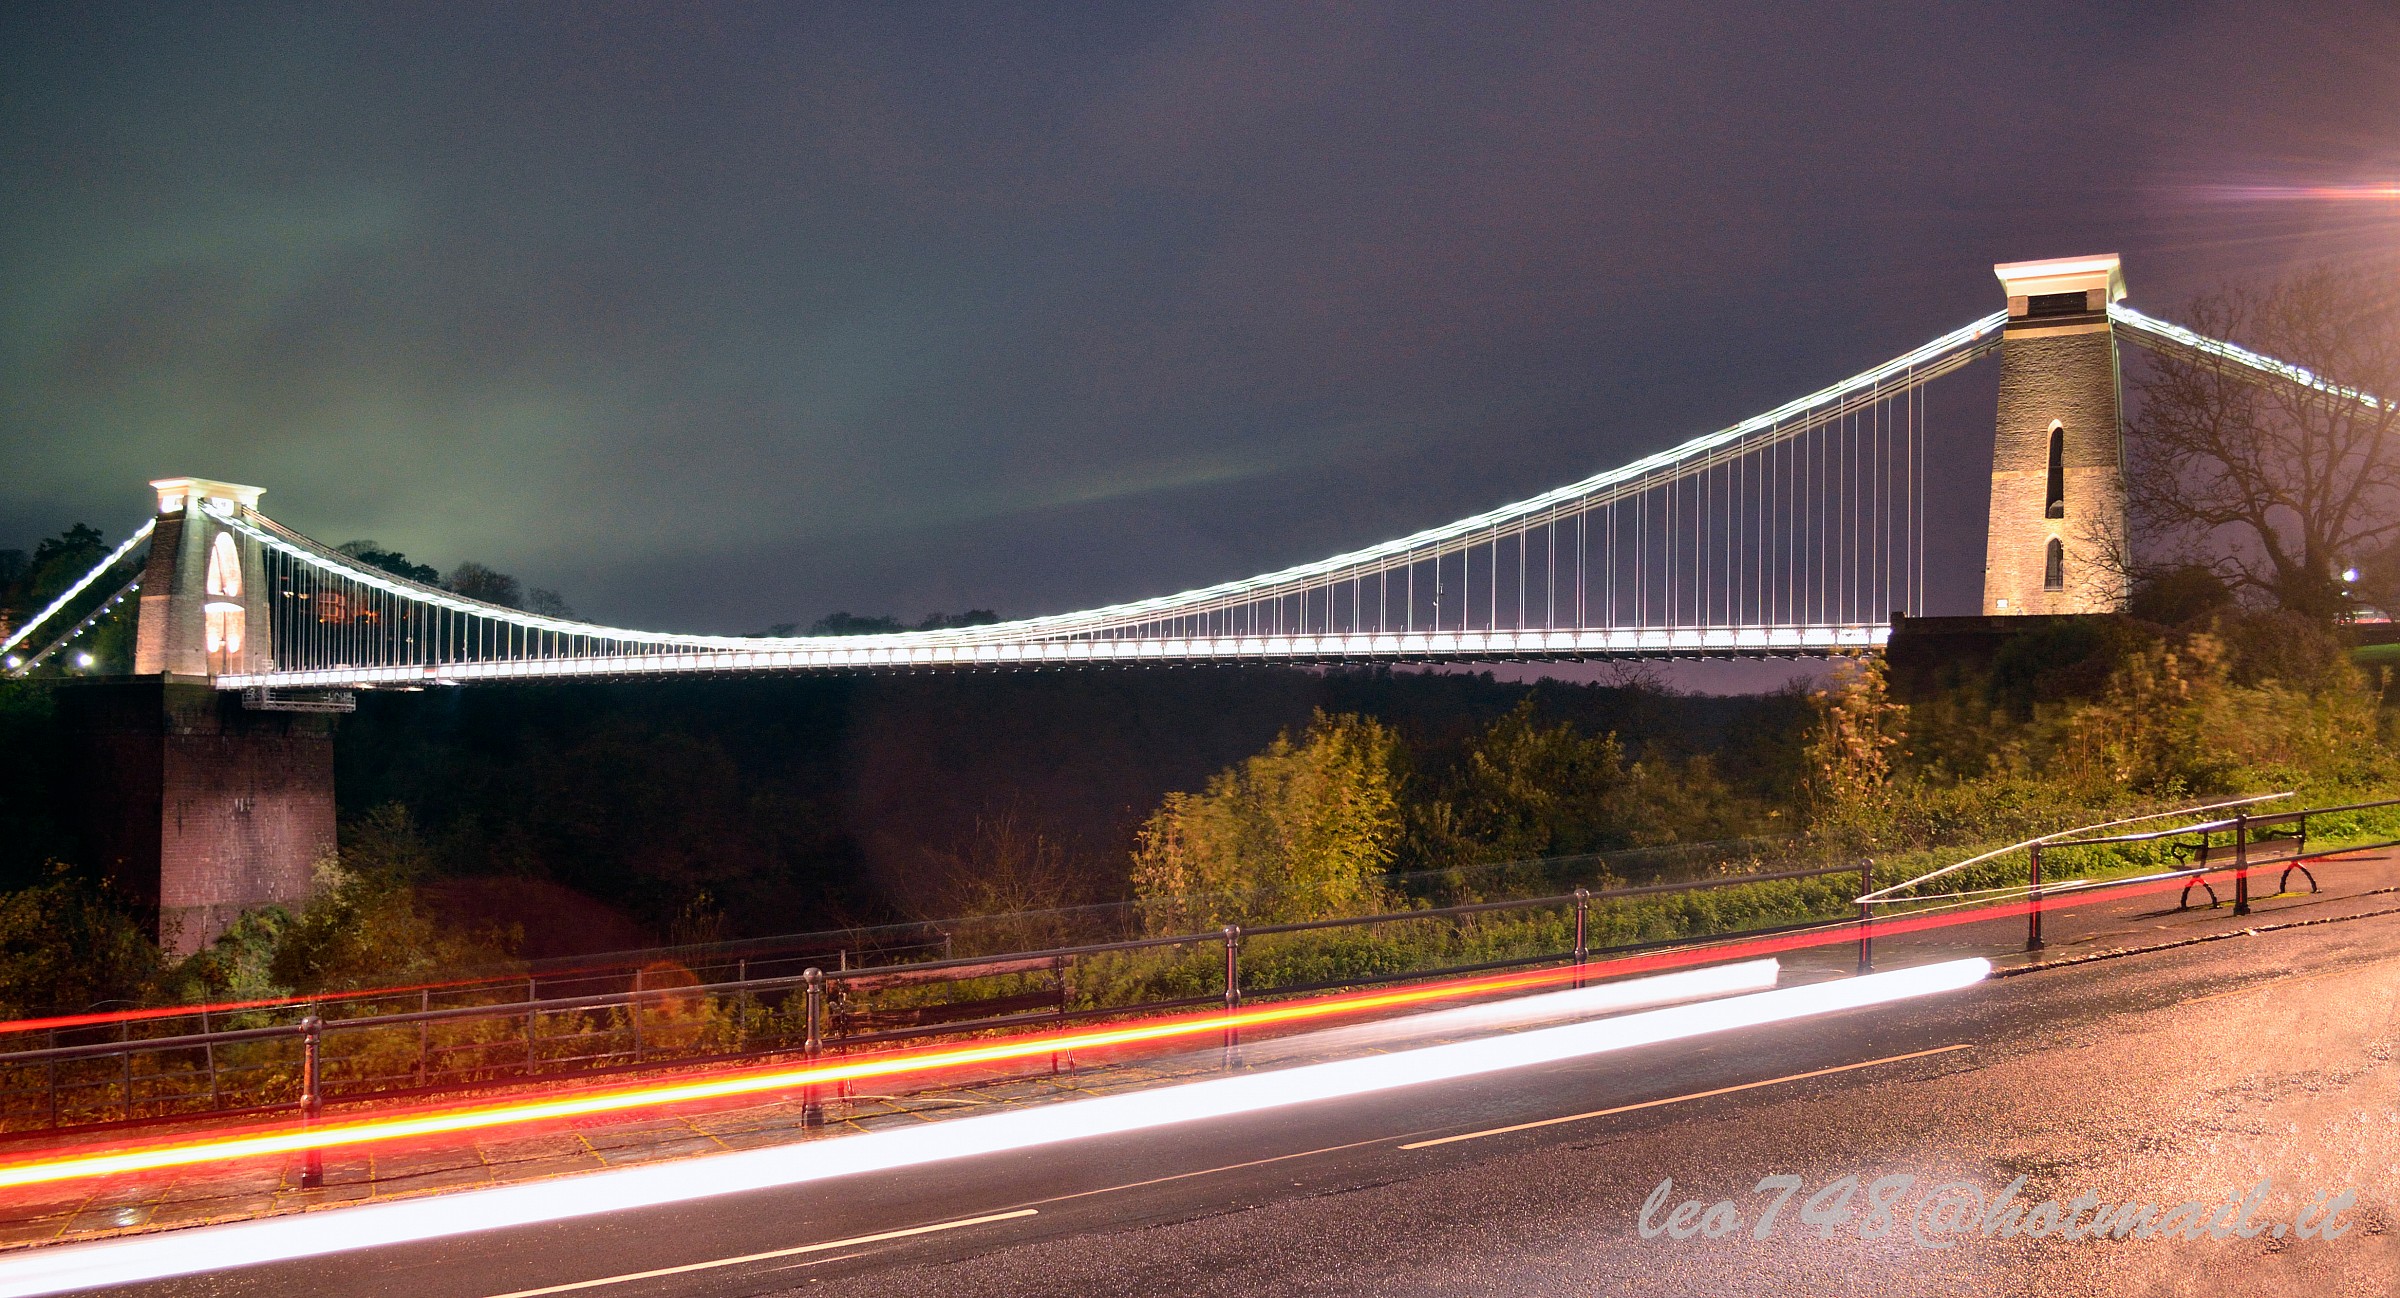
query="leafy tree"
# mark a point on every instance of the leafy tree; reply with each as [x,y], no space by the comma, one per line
[845,623]
[2179,596]
[59,560]
[70,944]
[852,624]
[2277,485]
[57,563]
[28,583]
[374,555]
[1859,727]
[947,621]
[1303,830]
[476,581]
[363,926]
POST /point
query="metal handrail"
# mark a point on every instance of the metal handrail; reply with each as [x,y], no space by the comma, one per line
[1885,894]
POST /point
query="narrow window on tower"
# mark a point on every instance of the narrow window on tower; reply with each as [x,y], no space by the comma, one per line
[2054,567]
[2056,493]
[221,614]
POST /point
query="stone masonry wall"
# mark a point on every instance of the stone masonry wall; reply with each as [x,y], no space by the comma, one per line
[2064,372]
[198,806]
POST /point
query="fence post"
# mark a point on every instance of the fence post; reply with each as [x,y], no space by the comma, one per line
[425,1037]
[2033,912]
[1866,916]
[2241,863]
[1583,939]
[741,1003]
[215,1098]
[812,1111]
[312,1098]
[1233,991]
[633,1014]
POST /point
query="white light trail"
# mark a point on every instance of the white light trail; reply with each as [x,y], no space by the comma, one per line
[375,1225]
[1519,1011]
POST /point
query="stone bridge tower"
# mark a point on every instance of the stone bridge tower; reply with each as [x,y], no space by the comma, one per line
[2057,539]
[197,802]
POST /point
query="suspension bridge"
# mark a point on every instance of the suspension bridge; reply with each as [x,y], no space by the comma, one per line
[1799,531]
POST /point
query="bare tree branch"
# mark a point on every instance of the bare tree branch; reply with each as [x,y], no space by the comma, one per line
[2273,484]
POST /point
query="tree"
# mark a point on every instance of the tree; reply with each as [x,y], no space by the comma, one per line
[475,581]
[374,555]
[1859,727]
[1012,880]
[2276,484]
[1526,791]
[846,623]
[1300,831]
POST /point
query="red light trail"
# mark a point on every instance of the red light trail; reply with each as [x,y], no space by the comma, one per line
[57,1165]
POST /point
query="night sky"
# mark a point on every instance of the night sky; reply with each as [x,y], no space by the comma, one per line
[716,317]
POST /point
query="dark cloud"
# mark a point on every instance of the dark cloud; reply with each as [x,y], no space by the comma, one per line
[715,317]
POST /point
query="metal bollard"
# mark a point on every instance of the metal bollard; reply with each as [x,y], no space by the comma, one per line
[812,1110]
[1866,917]
[2241,863]
[1233,992]
[312,1098]
[1583,944]
[2033,912]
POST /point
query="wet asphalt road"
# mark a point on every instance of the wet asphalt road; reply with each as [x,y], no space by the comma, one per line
[2163,1077]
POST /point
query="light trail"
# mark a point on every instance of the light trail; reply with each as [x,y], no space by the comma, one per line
[1539,1123]
[373,1225]
[287,1140]
[54,1166]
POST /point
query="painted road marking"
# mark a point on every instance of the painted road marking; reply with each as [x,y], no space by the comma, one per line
[1206,1171]
[1696,1095]
[852,1242]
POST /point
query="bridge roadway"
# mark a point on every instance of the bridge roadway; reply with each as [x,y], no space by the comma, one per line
[2162,1076]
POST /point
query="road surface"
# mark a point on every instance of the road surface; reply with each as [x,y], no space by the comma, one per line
[2159,1077]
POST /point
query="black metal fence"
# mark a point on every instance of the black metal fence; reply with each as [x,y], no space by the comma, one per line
[283,1065]
[267,1061]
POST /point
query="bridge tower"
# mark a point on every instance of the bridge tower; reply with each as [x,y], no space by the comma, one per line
[198,805]
[2057,538]
[204,606]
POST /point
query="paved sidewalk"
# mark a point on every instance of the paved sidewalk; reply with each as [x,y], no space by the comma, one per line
[236,1190]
